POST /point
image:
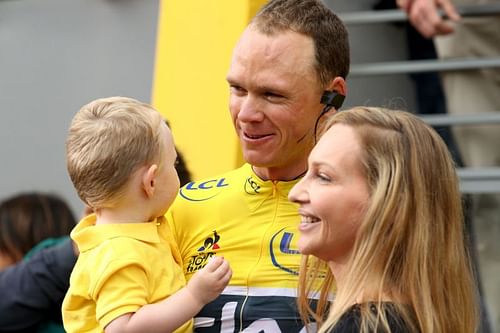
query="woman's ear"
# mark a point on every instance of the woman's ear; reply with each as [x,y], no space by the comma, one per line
[149,180]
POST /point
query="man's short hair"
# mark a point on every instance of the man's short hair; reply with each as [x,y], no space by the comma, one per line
[108,140]
[311,18]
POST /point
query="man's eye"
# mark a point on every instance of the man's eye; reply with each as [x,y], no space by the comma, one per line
[274,96]
[236,90]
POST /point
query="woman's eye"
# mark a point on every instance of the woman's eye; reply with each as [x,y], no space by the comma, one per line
[322,177]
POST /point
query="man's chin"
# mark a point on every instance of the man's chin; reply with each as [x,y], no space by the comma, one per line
[257,159]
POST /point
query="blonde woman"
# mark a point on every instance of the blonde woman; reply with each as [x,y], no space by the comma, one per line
[381,209]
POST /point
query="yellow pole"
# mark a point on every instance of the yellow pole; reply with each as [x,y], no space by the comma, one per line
[194,46]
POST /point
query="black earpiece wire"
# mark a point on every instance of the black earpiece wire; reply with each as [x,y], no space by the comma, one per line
[323,112]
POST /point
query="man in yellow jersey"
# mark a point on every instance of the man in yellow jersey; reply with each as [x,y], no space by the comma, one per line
[287,70]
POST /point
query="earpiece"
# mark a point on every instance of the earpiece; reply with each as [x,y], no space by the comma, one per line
[332,99]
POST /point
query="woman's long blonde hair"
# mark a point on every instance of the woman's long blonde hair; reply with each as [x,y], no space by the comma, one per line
[411,243]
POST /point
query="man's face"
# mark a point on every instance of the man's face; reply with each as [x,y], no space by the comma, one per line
[274,101]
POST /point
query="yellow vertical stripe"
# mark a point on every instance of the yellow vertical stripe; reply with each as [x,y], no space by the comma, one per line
[195,42]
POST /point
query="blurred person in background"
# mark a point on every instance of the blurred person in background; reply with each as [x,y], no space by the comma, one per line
[30,222]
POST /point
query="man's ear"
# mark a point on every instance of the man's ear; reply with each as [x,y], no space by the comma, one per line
[334,95]
[149,180]
[339,85]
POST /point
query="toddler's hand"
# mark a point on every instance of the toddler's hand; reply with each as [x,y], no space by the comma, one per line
[209,282]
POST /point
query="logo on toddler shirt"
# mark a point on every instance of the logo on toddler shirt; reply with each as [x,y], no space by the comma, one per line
[205,252]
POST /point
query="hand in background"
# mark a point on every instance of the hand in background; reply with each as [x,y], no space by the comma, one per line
[425,17]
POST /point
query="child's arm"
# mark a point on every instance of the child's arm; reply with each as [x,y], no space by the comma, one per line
[171,313]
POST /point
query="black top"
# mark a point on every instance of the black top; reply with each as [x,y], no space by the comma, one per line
[350,321]
[32,291]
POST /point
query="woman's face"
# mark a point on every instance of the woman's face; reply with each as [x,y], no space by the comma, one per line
[333,196]
[5,260]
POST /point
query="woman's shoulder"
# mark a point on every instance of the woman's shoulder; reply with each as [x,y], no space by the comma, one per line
[350,321]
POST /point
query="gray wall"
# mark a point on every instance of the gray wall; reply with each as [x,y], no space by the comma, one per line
[57,55]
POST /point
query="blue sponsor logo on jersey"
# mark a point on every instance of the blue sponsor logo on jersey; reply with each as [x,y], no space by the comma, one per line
[282,255]
[199,191]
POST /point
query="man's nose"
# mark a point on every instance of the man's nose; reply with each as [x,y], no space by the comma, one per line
[251,109]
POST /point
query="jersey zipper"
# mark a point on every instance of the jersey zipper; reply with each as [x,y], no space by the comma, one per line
[275,196]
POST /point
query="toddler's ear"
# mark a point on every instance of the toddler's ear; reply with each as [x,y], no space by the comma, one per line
[149,180]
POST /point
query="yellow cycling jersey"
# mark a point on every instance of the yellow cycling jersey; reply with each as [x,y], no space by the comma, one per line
[251,223]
